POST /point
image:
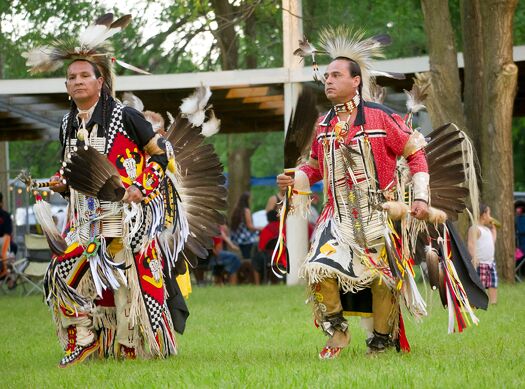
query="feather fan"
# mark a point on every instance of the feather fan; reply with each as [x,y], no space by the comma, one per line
[200,176]
[447,170]
[92,174]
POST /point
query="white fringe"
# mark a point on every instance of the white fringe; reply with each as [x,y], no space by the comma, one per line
[315,273]
[104,317]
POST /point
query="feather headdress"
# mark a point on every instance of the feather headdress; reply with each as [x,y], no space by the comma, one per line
[344,42]
[90,45]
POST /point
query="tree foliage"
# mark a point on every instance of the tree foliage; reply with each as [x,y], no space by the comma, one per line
[188,35]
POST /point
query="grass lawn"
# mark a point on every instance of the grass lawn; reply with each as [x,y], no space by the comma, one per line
[264,337]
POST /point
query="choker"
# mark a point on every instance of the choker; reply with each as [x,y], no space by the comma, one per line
[82,133]
[87,112]
[349,106]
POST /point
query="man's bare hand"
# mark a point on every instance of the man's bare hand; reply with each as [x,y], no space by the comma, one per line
[133,195]
[284,181]
[56,184]
[419,210]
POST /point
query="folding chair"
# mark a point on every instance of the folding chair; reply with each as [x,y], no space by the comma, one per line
[519,264]
[32,269]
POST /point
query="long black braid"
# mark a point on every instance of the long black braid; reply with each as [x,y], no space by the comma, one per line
[106,113]
[68,133]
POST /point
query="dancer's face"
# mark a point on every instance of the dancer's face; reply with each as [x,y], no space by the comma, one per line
[82,84]
[340,86]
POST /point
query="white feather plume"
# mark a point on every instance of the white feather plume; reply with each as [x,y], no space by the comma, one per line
[93,35]
[194,107]
[196,101]
[170,118]
[206,96]
[415,97]
[212,126]
[189,105]
[197,118]
[103,29]
[130,100]
[305,49]
[39,60]
[412,105]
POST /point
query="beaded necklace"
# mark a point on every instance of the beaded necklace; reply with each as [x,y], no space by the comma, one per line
[83,116]
[342,127]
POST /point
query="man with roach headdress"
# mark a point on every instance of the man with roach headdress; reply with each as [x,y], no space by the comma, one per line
[112,282]
[356,264]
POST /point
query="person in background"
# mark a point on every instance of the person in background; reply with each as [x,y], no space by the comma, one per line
[243,231]
[273,202]
[224,260]
[481,246]
[6,244]
[6,226]
[519,224]
[267,241]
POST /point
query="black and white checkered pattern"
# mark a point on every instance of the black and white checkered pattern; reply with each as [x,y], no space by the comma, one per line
[140,237]
[64,267]
[242,235]
[64,125]
[155,311]
[116,125]
[79,354]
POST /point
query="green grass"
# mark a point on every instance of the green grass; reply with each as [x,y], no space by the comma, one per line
[264,337]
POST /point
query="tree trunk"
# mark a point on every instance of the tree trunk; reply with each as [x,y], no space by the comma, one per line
[251,35]
[239,171]
[500,77]
[239,154]
[473,48]
[225,34]
[444,102]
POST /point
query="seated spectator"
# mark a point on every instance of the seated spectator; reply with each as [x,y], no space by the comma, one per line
[7,247]
[273,202]
[223,260]
[267,241]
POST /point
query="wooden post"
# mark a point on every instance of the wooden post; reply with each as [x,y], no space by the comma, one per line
[4,173]
[296,226]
